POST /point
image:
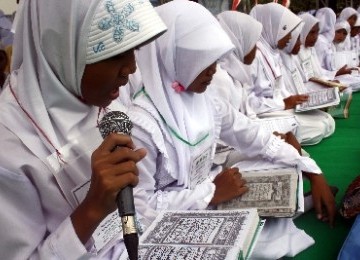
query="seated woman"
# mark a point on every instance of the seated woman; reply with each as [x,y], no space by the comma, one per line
[319,123]
[310,68]
[58,177]
[350,15]
[244,31]
[179,123]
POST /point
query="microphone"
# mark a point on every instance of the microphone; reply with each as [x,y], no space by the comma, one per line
[119,122]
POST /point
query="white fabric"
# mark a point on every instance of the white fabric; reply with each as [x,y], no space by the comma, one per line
[49,57]
[244,31]
[160,187]
[324,45]
[267,91]
[342,25]
[169,58]
[347,12]
[309,22]
[295,34]
[120,26]
[277,21]
[327,20]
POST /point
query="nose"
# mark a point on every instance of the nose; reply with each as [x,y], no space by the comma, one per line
[211,69]
[130,66]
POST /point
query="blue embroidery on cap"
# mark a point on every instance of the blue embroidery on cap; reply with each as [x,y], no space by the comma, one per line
[100,47]
[118,20]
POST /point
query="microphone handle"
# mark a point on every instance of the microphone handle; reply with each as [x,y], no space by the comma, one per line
[125,202]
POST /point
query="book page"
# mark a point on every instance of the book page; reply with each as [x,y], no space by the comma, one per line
[319,99]
[201,234]
[272,191]
[281,124]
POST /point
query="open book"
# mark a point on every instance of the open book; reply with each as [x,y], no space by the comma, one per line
[281,124]
[207,234]
[274,192]
[320,99]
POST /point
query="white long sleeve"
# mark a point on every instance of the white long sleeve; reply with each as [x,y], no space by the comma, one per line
[249,138]
[263,97]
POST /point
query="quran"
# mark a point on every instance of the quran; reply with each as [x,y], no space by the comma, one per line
[328,83]
[281,124]
[203,234]
[320,99]
[274,192]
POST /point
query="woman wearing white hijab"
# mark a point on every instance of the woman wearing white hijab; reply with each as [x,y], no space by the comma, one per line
[350,15]
[268,93]
[323,46]
[232,76]
[342,30]
[316,124]
[180,127]
[59,178]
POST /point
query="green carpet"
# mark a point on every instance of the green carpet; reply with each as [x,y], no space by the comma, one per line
[339,158]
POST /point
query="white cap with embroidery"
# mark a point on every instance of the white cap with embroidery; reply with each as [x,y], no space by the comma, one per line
[120,25]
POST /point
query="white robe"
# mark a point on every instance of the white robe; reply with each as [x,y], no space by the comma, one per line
[231,127]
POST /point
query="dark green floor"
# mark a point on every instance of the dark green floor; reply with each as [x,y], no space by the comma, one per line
[339,158]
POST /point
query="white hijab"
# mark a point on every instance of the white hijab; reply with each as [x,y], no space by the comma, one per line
[286,56]
[309,23]
[277,22]
[346,13]
[327,20]
[193,42]
[243,31]
[49,58]
[342,25]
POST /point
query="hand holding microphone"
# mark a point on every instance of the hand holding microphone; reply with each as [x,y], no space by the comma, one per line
[118,122]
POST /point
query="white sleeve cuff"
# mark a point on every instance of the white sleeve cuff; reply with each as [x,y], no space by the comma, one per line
[65,243]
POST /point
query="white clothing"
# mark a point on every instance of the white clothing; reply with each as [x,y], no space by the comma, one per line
[167,173]
[45,130]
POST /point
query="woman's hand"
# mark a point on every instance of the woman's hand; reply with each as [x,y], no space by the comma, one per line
[292,101]
[343,70]
[323,199]
[229,185]
[113,168]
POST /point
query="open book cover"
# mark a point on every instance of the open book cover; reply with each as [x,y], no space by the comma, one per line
[206,234]
[274,192]
[320,99]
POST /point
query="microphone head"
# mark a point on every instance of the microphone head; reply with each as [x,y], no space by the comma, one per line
[115,122]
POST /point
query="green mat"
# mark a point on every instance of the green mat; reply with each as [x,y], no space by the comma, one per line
[339,158]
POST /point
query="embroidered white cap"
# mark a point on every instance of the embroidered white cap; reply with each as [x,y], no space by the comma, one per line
[120,25]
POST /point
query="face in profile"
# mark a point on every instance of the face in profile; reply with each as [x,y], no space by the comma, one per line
[313,35]
[340,35]
[101,80]
[200,83]
[297,46]
[352,20]
[249,58]
[284,41]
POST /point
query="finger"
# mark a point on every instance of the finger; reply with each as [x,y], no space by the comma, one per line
[113,140]
[125,179]
[318,209]
[242,190]
[125,154]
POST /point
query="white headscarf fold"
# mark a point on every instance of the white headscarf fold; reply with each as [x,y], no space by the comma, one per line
[277,21]
[327,20]
[309,23]
[342,25]
[346,13]
[49,60]
[193,42]
[244,31]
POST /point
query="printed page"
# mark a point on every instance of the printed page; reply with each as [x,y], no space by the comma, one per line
[320,99]
[206,234]
[272,191]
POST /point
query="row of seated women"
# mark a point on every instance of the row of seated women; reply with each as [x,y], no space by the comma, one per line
[202,83]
